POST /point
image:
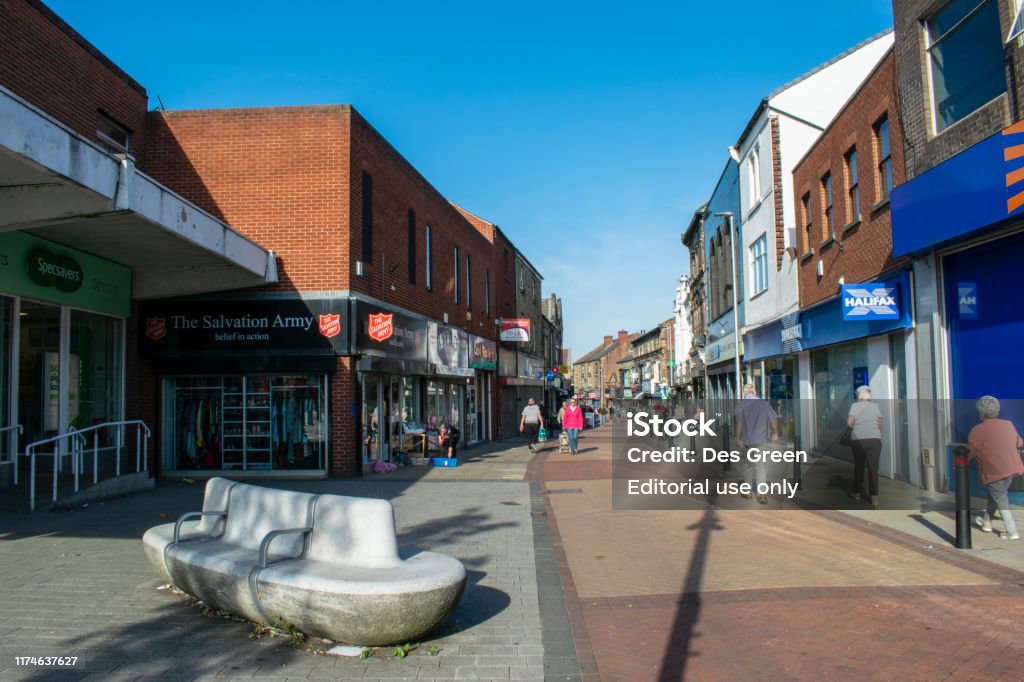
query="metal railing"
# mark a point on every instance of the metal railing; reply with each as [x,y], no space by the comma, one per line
[78,442]
[14,450]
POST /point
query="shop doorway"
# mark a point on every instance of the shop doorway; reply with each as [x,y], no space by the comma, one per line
[40,409]
[901,417]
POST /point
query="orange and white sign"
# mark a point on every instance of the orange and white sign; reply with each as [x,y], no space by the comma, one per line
[330,325]
[380,326]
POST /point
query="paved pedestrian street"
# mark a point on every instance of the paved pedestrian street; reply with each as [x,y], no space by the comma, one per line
[561,586]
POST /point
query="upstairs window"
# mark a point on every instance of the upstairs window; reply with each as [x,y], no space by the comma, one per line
[965,56]
[367,218]
[411,256]
[455,275]
[826,188]
[808,221]
[112,134]
[429,259]
[469,279]
[883,152]
[759,264]
[754,175]
[853,193]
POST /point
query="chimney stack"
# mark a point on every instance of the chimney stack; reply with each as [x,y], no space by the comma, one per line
[623,338]
[608,341]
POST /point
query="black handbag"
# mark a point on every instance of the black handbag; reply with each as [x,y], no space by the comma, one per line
[846,439]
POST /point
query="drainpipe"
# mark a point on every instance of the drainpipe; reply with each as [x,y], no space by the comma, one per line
[125,173]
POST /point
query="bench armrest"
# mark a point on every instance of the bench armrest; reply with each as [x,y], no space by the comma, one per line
[265,544]
[192,515]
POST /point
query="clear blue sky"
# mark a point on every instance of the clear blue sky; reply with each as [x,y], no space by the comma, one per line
[588,131]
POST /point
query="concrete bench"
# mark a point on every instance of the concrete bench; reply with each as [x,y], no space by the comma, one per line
[327,564]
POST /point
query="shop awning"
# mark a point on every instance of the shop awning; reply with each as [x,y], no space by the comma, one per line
[57,185]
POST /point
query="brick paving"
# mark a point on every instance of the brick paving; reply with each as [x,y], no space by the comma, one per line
[78,584]
[724,593]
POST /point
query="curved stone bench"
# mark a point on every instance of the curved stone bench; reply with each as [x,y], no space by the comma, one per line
[327,564]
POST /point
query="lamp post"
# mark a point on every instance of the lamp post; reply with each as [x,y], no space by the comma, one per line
[735,305]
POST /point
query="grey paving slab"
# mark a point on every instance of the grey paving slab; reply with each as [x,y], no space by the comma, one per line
[78,583]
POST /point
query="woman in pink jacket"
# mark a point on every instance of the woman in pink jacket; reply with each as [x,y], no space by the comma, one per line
[994,443]
[572,423]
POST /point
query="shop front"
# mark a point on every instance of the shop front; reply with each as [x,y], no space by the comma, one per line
[770,354]
[858,338]
[244,382]
[962,220]
[722,389]
[62,352]
[483,360]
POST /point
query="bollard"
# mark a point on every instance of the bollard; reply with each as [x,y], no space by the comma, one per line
[963,498]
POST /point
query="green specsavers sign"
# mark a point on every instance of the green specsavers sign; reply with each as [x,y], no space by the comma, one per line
[40,269]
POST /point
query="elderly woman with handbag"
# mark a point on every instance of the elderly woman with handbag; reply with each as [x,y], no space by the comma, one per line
[995,444]
[865,422]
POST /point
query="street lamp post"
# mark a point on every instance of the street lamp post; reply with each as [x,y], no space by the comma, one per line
[735,309]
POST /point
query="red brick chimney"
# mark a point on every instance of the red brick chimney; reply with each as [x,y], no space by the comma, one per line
[623,338]
[608,340]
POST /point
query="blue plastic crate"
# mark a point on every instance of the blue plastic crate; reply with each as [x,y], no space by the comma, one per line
[445,462]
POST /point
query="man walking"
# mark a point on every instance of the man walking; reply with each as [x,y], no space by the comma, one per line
[531,422]
[754,417]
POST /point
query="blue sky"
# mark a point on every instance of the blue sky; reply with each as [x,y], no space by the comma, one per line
[588,131]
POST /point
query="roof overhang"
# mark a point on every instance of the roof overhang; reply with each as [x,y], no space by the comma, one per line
[57,185]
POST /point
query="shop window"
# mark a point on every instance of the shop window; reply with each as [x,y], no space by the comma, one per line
[367,218]
[853,193]
[95,369]
[883,154]
[246,423]
[965,55]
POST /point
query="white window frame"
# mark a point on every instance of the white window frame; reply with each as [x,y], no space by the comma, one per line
[754,174]
[759,264]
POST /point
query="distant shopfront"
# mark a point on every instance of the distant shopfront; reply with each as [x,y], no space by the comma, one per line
[62,352]
[245,382]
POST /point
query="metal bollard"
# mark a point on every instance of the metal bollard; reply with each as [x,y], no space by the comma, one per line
[963,498]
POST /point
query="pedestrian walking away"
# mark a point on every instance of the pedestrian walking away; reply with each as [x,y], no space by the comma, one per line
[530,423]
[865,420]
[995,444]
[754,419]
[572,422]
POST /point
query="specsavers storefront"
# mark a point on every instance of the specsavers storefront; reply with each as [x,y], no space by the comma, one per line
[245,381]
[62,352]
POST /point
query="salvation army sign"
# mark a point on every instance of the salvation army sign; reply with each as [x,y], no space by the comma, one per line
[515,329]
[871,301]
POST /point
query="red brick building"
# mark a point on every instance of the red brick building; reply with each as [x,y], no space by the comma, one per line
[842,186]
[289,294]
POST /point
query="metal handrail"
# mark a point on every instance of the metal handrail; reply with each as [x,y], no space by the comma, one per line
[14,451]
[78,442]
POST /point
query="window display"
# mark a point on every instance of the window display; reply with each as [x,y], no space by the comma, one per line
[247,423]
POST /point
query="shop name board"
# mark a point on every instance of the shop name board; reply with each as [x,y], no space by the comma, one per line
[967,297]
[792,334]
[871,301]
[287,326]
[515,329]
[383,331]
[49,270]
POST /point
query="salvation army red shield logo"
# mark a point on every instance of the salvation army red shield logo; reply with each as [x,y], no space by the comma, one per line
[330,325]
[156,328]
[380,326]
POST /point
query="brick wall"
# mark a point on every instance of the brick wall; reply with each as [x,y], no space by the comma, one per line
[278,175]
[46,62]
[925,148]
[861,250]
